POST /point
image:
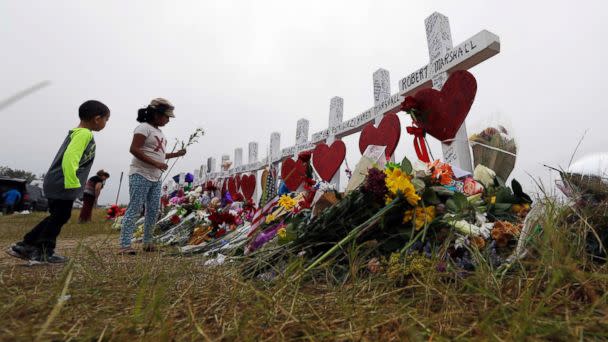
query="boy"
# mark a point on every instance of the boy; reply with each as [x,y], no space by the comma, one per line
[63,184]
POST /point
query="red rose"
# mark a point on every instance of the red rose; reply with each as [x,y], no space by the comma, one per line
[408,104]
[175,219]
[220,233]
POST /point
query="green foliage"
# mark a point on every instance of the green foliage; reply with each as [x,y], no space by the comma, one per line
[406,166]
[16,173]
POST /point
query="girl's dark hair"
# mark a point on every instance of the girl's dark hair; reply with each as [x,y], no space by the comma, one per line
[146,114]
[149,113]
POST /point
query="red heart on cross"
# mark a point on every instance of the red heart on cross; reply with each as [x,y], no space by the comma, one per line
[224,185]
[232,188]
[387,134]
[293,173]
[327,159]
[248,185]
[444,111]
[237,179]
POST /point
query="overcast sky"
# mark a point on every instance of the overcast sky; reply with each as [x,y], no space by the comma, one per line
[242,69]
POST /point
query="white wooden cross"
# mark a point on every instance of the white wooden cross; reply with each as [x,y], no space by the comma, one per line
[439,40]
[336,113]
[238,157]
[444,59]
[382,92]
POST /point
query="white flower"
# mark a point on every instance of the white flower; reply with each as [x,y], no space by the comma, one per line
[461,242]
[481,218]
[469,229]
[484,175]
[421,169]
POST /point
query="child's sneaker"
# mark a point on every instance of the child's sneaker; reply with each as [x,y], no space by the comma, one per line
[149,248]
[23,251]
[48,257]
[56,259]
[127,251]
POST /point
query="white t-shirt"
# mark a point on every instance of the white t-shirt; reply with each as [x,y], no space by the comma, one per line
[154,147]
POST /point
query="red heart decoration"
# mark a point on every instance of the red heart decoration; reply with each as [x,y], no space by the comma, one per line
[248,185]
[387,134]
[444,111]
[293,173]
[237,178]
[327,159]
[232,189]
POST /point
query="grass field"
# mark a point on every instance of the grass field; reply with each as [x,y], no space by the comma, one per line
[554,294]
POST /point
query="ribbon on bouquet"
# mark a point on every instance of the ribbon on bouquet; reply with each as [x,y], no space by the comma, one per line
[419,143]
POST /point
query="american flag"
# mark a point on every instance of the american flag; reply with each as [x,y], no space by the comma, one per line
[260,214]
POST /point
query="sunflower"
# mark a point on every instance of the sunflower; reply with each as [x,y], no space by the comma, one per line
[287,202]
[270,218]
[398,181]
[421,216]
[282,233]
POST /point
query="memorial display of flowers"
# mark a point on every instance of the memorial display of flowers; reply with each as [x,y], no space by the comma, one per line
[401,210]
[412,215]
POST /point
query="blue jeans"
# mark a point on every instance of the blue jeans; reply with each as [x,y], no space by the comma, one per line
[141,191]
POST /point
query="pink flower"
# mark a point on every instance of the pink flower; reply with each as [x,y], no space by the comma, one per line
[472,187]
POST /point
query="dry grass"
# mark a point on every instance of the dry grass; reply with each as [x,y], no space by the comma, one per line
[555,295]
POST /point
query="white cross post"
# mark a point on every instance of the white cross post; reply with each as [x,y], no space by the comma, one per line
[302,132]
[336,112]
[274,153]
[382,92]
[275,148]
[238,157]
[211,165]
[439,39]
[301,139]
[253,158]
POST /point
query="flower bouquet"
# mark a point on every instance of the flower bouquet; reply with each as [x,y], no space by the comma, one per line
[402,210]
[494,148]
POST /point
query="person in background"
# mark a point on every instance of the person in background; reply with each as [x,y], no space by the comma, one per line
[149,156]
[63,184]
[91,193]
[11,198]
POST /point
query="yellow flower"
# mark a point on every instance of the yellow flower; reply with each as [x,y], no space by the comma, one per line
[270,218]
[388,199]
[395,267]
[493,200]
[282,233]
[421,216]
[399,182]
[287,202]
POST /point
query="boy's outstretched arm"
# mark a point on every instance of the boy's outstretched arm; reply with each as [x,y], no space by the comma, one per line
[72,155]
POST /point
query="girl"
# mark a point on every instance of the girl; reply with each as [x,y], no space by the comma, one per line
[148,149]
[91,193]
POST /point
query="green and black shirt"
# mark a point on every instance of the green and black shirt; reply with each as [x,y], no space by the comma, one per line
[71,166]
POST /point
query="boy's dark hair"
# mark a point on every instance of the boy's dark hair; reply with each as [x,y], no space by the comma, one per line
[91,109]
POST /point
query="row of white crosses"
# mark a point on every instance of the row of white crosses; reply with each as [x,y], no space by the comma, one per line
[444,58]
